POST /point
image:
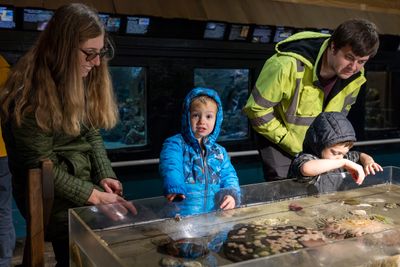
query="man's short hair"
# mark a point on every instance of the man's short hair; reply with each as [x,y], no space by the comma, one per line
[360,34]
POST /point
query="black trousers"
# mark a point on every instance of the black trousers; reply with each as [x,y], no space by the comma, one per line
[61,252]
[275,161]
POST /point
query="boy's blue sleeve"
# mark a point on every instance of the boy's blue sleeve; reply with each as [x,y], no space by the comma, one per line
[171,166]
[229,179]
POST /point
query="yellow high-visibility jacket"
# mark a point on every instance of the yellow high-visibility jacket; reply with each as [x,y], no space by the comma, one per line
[4,70]
[288,96]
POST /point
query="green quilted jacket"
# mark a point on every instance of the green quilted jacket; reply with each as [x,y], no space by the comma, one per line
[80,163]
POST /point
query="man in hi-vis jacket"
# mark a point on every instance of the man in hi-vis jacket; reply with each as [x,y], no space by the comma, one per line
[310,73]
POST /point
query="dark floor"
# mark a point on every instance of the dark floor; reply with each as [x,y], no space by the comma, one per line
[19,250]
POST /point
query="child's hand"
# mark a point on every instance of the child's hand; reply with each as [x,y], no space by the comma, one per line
[356,171]
[371,167]
[171,197]
[228,203]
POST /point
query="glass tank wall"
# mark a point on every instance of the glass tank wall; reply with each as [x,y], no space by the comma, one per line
[277,224]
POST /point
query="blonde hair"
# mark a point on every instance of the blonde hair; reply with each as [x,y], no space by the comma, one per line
[202,99]
[47,80]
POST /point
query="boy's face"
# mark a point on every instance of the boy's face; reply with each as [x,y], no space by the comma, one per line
[202,118]
[335,152]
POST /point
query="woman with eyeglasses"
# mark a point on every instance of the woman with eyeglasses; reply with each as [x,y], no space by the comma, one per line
[55,101]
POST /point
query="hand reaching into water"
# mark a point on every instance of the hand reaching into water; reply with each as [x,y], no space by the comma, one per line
[356,171]
[118,211]
[112,205]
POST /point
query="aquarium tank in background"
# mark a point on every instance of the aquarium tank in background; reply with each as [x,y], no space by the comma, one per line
[130,90]
[381,107]
[232,86]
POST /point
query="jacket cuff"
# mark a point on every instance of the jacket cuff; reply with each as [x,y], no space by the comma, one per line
[104,173]
[228,191]
[175,190]
[82,196]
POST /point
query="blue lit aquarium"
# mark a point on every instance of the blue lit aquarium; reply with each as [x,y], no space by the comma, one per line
[130,89]
[232,86]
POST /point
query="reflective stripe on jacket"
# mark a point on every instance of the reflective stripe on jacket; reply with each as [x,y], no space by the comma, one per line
[287,96]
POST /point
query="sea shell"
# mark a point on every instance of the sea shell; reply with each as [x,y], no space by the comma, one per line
[361,213]
[374,200]
[390,205]
[170,262]
[191,264]
[365,205]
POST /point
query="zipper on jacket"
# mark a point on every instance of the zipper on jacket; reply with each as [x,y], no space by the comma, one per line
[205,170]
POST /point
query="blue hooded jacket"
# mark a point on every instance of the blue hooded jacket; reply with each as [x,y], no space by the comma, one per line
[203,179]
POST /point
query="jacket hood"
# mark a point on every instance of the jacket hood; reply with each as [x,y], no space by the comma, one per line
[309,48]
[328,128]
[187,130]
[305,46]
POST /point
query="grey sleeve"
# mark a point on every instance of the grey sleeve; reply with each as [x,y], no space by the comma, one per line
[353,156]
[295,167]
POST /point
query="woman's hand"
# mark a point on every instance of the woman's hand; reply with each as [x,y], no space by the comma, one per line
[111,186]
[100,198]
[228,203]
[112,205]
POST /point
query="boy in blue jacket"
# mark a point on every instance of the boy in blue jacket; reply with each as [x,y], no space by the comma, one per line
[194,167]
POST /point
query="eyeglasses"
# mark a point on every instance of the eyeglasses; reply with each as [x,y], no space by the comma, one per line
[92,55]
